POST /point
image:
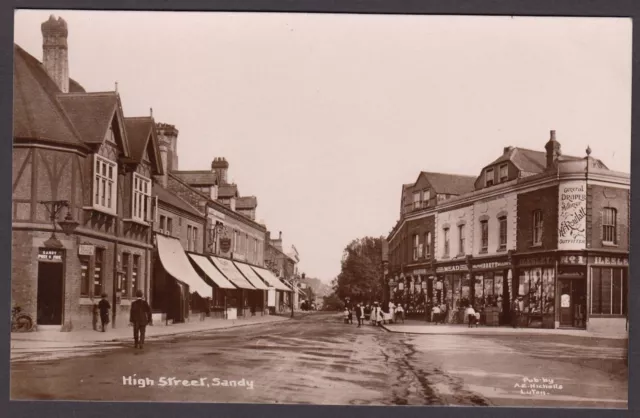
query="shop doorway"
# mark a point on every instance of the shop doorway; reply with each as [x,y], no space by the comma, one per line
[573,305]
[50,297]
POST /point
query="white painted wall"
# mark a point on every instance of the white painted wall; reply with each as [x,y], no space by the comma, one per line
[493,208]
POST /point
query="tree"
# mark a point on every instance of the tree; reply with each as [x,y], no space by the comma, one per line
[360,276]
[332,303]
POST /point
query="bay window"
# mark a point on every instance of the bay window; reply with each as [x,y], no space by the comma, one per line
[105,182]
[141,198]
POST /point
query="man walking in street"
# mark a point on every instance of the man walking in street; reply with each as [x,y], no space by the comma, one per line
[104,307]
[140,317]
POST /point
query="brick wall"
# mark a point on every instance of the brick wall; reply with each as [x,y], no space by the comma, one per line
[599,197]
[543,199]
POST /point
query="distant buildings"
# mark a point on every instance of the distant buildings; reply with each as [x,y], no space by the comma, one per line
[130,219]
[550,229]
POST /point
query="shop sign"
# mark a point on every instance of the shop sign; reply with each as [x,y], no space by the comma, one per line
[86,249]
[225,244]
[565,301]
[535,261]
[611,261]
[455,267]
[572,216]
[572,259]
[492,265]
[49,255]
[420,272]
[576,274]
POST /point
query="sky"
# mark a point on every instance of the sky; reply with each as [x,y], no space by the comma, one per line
[324,117]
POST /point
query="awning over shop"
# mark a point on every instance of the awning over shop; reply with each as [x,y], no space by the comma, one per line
[231,272]
[270,278]
[211,272]
[175,262]
[251,275]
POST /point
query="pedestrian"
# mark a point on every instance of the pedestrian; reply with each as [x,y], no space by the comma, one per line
[515,313]
[350,316]
[346,315]
[374,313]
[380,317]
[470,313]
[435,314]
[104,307]
[367,312]
[392,311]
[399,313]
[443,312]
[139,318]
[359,314]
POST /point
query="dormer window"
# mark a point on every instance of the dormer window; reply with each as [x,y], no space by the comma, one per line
[488,177]
[426,198]
[141,198]
[105,182]
[416,200]
[504,173]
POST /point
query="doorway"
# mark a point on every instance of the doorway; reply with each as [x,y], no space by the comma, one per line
[573,304]
[50,293]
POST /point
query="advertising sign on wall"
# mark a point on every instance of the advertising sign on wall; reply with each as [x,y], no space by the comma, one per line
[572,215]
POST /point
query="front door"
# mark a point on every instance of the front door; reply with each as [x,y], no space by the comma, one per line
[50,293]
[572,302]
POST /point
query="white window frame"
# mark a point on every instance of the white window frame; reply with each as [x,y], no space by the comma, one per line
[609,225]
[426,197]
[101,183]
[416,200]
[506,168]
[489,176]
[141,198]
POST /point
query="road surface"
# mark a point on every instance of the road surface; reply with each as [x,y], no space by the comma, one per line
[319,360]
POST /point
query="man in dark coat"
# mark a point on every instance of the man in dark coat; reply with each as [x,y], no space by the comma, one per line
[140,317]
[104,307]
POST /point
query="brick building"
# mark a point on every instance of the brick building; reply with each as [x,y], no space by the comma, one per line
[77,152]
[549,228]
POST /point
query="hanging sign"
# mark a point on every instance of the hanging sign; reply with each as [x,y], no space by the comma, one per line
[86,249]
[225,244]
[572,216]
[50,255]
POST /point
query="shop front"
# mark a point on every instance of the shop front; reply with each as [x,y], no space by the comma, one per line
[453,289]
[571,302]
[609,292]
[535,287]
[492,289]
[414,290]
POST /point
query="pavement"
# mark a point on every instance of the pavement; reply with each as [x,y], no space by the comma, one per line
[317,359]
[421,327]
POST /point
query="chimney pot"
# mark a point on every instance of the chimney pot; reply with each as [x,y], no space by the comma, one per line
[553,135]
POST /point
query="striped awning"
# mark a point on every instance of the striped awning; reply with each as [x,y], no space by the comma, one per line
[175,262]
[232,273]
[271,279]
[251,275]
[211,271]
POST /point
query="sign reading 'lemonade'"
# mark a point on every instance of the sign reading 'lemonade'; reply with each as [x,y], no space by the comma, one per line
[572,216]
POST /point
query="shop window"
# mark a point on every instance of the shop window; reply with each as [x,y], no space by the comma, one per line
[445,232]
[461,239]
[536,286]
[609,225]
[85,283]
[124,278]
[141,197]
[135,269]
[608,291]
[537,227]
[105,181]
[484,235]
[503,232]
[98,274]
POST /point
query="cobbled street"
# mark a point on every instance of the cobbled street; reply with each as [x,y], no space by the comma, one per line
[316,359]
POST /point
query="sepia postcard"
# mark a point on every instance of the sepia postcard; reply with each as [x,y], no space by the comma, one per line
[325,209]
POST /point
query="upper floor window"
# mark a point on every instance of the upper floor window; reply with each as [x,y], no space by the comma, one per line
[169,229]
[194,239]
[609,225]
[503,232]
[427,245]
[461,239]
[416,243]
[163,223]
[445,232]
[426,198]
[141,198]
[488,177]
[416,200]
[537,227]
[105,182]
[484,235]
[504,173]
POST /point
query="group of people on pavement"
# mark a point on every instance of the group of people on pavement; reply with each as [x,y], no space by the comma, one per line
[139,317]
[374,313]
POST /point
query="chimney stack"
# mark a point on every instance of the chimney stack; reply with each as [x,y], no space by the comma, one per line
[280,235]
[55,54]
[167,139]
[553,150]
[507,149]
[220,166]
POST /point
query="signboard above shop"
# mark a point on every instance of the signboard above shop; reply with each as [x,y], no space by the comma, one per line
[572,215]
[485,265]
[611,260]
[50,255]
[453,268]
[536,261]
[573,259]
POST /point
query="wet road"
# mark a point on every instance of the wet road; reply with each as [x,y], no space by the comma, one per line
[319,360]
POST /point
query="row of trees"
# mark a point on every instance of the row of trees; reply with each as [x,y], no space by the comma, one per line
[360,275]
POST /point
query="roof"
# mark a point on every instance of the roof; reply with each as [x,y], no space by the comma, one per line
[177,202]
[197,177]
[228,190]
[454,184]
[75,87]
[91,113]
[37,113]
[246,202]
[528,161]
[138,131]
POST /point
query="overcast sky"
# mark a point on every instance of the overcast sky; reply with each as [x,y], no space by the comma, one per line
[324,117]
